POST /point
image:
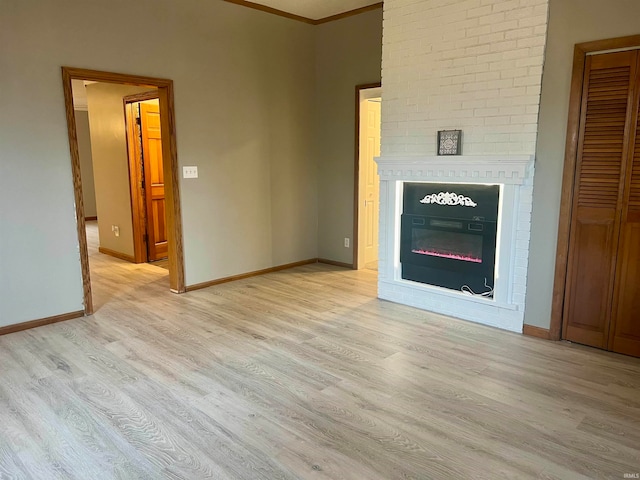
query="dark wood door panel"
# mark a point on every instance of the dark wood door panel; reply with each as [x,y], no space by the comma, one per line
[626,335]
[589,290]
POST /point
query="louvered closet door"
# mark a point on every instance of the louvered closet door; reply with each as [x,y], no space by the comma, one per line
[625,337]
[598,198]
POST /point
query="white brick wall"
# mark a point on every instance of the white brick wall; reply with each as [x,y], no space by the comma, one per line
[474,65]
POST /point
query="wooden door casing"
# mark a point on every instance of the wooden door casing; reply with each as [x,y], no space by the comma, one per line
[136,178]
[170,153]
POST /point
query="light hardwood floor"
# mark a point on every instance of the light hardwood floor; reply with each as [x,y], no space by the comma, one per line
[303,374]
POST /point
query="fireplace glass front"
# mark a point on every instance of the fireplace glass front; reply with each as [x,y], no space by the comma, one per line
[448,235]
[455,245]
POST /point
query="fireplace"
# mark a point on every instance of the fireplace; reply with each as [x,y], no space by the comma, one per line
[454,228]
[448,235]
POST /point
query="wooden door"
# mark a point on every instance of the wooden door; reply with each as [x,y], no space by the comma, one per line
[153,179]
[625,328]
[595,220]
[598,300]
[369,181]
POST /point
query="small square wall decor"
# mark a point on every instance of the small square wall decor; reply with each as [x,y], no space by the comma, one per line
[449,142]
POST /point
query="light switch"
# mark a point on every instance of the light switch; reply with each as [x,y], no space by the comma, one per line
[190,172]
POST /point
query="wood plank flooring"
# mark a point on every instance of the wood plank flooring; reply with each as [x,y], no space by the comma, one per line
[302,374]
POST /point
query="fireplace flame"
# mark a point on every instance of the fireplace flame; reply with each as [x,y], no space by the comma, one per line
[453,256]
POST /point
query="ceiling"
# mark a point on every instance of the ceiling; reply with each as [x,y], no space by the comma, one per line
[316,9]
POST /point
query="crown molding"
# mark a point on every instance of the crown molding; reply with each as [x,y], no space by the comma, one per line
[350,13]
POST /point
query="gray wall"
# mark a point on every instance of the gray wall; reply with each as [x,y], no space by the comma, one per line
[244,99]
[571,22]
[86,163]
[349,53]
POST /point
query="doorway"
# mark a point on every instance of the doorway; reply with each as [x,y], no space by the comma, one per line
[146,176]
[601,295]
[367,183]
[170,171]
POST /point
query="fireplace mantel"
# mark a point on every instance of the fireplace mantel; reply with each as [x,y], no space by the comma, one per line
[508,170]
[515,174]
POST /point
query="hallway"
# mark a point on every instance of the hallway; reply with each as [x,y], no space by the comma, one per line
[113,279]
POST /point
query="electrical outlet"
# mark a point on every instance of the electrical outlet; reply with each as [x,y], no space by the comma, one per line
[346,242]
[190,172]
[116,230]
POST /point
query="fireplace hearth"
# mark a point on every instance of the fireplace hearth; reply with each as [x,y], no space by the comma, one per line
[448,235]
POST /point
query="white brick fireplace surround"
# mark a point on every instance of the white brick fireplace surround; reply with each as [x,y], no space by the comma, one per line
[515,175]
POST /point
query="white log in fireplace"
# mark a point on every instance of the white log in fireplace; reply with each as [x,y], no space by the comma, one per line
[514,174]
